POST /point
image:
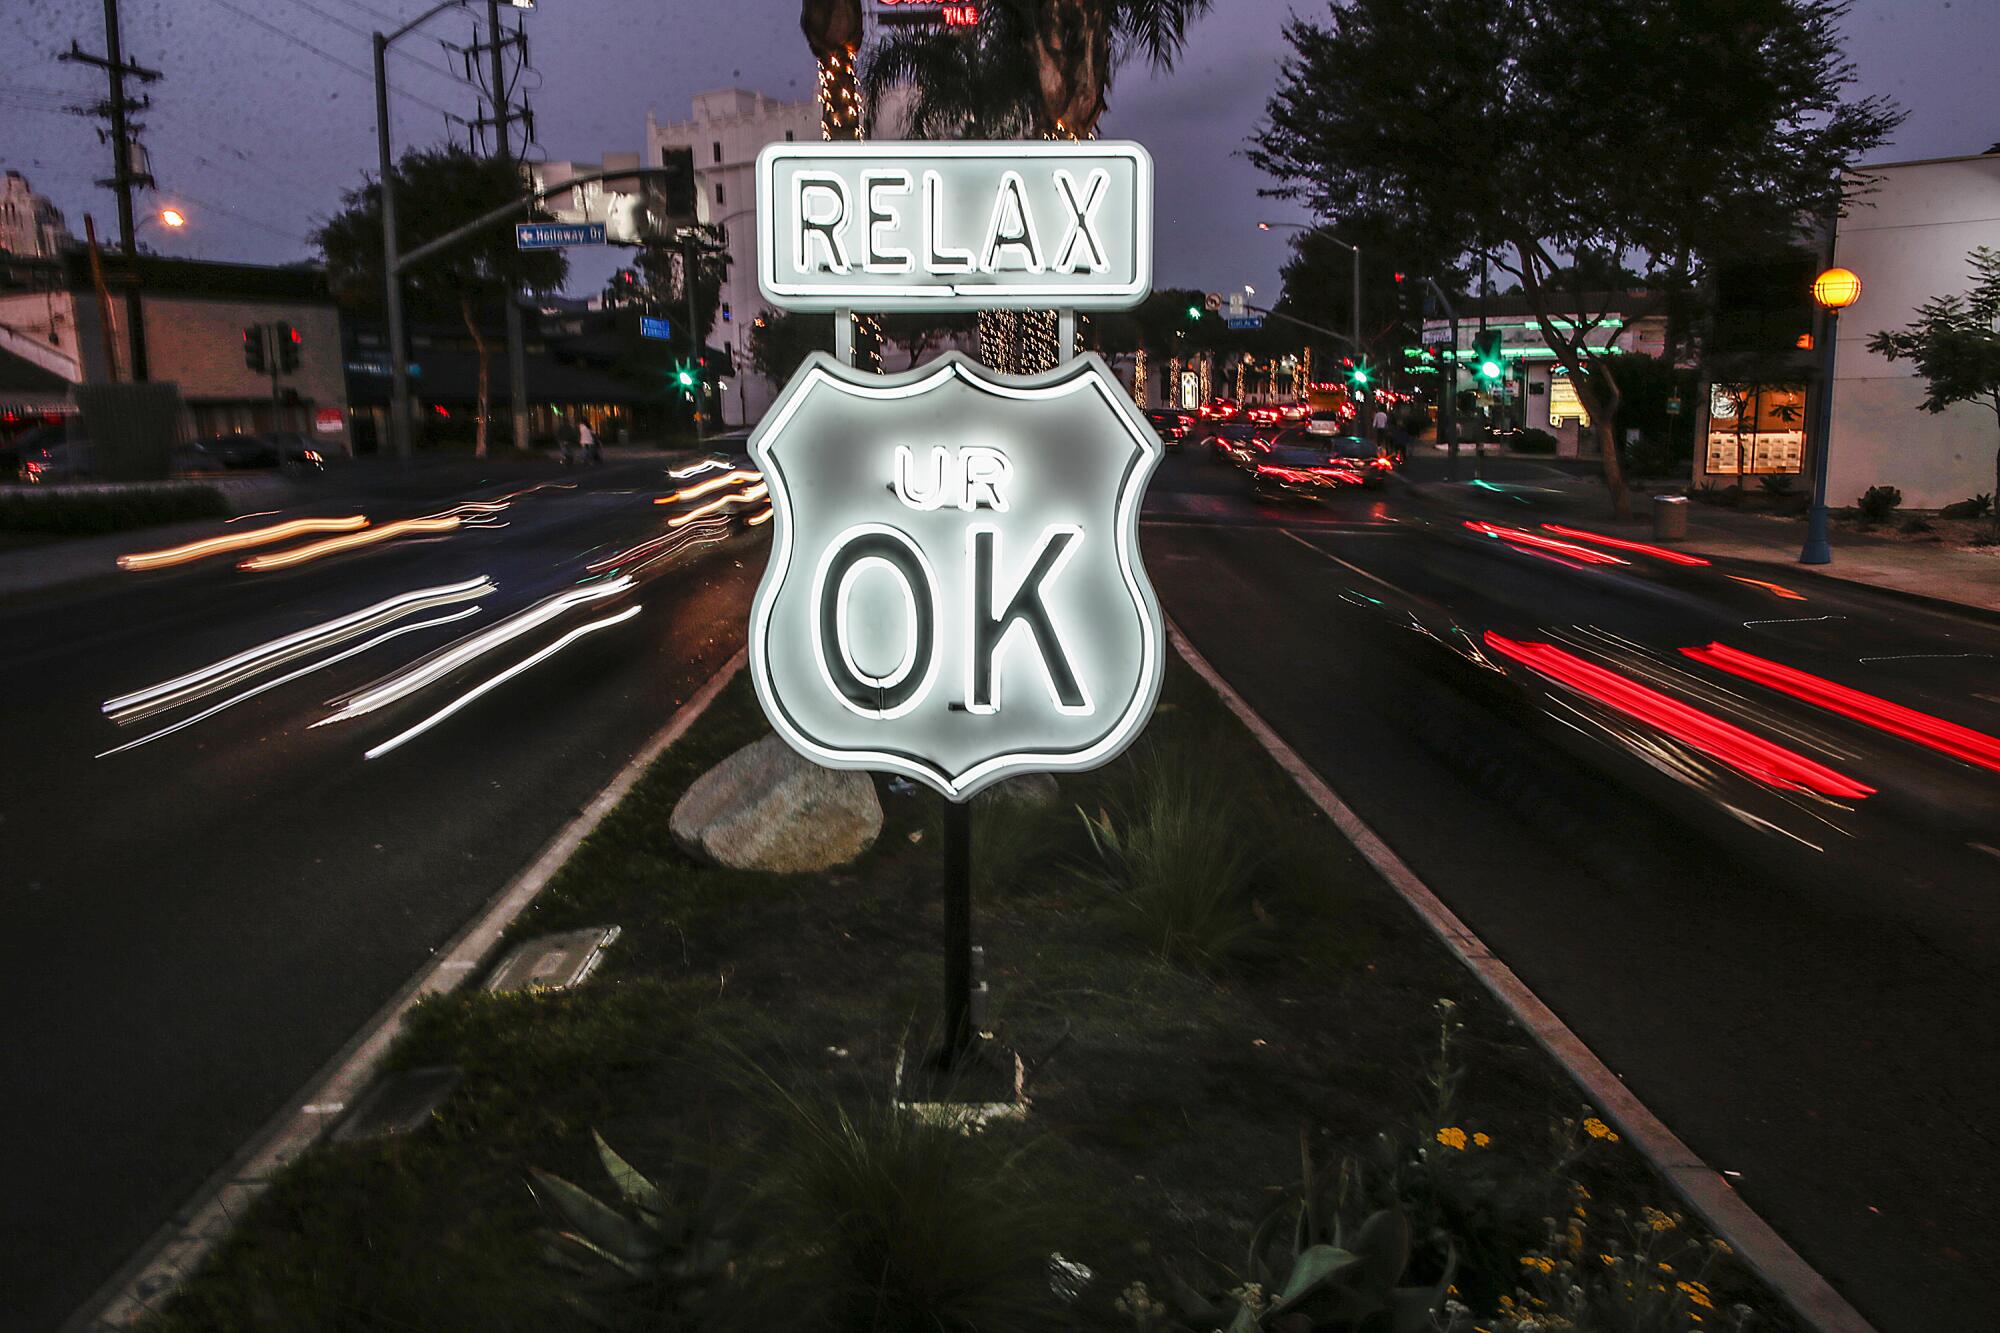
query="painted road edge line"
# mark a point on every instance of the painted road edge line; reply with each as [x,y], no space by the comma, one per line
[1704,1190]
[195,1229]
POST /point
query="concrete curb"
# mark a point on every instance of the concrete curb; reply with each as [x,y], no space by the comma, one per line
[186,1239]
[1705,1191]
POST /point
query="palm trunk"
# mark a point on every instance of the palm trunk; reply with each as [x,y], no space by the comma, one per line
[479,344]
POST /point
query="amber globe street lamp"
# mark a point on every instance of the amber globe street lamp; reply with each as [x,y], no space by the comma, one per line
[1834,290]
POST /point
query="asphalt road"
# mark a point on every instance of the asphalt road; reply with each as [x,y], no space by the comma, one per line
[1799,986]
[194,926]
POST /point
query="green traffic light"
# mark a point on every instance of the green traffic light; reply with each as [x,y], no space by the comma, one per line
[1194,312]
[686,379]
[1490,369]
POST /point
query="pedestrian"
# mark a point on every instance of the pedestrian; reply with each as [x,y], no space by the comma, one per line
[566,438]
[588,439]
[1381,424]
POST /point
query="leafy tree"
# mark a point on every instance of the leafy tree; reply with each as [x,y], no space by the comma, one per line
[781,340]
[1954,346]
[918,331]
[438,190]
[1554,136]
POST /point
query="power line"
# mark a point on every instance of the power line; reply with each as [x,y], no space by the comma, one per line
[246,219]
[358,31]
[355,70]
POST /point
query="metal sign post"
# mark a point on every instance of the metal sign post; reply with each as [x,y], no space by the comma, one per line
[955,591]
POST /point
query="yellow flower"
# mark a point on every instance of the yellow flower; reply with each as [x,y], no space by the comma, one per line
[1540,1263]
[1656,1219]
[1611,1260]
[1597,1129]
[1451,1136]
[1482,1140]
[1697,1293]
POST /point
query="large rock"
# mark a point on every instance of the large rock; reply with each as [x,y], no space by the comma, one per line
[767,807]
[1027,791]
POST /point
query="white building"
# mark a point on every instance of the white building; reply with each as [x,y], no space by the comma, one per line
[728,128]
[1908,243]
[30,226]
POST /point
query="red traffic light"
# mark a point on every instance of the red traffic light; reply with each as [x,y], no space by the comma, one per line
[1399,279]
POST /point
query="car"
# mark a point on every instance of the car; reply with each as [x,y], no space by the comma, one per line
[1172,426]
[1306,471]
[66,461]
[1263,415]
[1372,463]
[1218,409]
[1232,441]
[297,451]
[240,449]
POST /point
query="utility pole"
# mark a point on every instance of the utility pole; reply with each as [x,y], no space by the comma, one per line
[688,250]
[392,264]
[123,179]
[517,371]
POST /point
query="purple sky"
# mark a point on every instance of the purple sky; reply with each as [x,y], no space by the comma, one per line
[254,136]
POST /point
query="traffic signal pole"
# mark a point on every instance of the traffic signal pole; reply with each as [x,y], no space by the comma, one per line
[517,361]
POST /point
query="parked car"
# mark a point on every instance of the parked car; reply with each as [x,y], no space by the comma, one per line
[297,451]
[1218,409]
[240,449]
[68,460]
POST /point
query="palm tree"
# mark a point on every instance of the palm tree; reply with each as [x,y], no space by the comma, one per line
[1031,68]
[1040,66]
[833,31]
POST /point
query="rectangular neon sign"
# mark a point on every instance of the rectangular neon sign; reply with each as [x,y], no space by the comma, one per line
[962,226]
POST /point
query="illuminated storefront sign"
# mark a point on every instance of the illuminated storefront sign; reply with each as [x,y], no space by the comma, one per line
[955,590]
[1754,430]
[925,226]
[1564,405]
[927,13]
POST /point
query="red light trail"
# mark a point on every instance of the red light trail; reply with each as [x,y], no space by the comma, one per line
[1974,747]
[1621,544]
[1747,753]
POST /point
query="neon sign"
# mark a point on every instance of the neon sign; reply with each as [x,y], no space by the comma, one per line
[955,590]
[919,226]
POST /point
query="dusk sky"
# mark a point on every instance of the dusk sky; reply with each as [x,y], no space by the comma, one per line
[254,136]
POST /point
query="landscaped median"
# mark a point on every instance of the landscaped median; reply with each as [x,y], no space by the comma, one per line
[1255,1092]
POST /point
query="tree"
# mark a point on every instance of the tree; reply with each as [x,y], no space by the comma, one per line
[438,190]
[833,31]
[1954,346]
[1029,68]
[1555,137]
[781,340]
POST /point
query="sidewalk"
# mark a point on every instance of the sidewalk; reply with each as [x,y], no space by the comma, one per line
[1969,578]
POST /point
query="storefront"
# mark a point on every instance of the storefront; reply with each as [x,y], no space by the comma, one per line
[1755,430]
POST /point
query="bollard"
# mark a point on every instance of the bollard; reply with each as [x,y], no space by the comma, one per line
[1670,518]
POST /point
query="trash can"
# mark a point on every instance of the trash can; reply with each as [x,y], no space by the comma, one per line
[1670,518]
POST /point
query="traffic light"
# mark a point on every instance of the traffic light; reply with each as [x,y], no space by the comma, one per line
[253,348]
[289,345]
[684,377]
[1194,312]
[1360,374]
[1486,359]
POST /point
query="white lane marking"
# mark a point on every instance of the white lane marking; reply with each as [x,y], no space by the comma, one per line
[1344,564]
[1795,1281]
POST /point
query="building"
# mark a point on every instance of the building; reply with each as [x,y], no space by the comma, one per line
[1536,391]
[1908,242]
[727,129]
[196,314]
[30,226]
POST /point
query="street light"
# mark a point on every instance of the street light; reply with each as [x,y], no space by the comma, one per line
[1834,290]
[1354,250]
[173,217]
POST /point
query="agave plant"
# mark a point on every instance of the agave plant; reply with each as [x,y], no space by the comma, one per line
[1324,1277]
[657,1254]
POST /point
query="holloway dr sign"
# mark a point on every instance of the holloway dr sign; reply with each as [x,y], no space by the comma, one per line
[919,226]
[955,591]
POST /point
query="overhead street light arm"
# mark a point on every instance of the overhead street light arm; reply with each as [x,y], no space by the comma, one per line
[507,210]
[420,20]
[1316,328]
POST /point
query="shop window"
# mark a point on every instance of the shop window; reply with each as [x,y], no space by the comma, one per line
[1756,430]
[715,149]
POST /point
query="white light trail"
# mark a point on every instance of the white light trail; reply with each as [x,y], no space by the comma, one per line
[220,675]
[495,682]
[289,676]
[449,659]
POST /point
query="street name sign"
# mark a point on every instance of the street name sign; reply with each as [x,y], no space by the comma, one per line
[1245,321]
[557,235]
[957,226]
[955,591]
[652,326]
